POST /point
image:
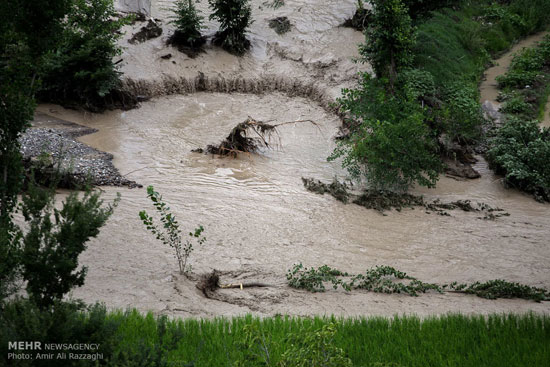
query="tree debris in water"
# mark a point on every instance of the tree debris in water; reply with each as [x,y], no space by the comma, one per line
[149,31]
[381,200]
[360,19]
[247,137]
[280,25]
[337,189]
[209,283]
[275,4]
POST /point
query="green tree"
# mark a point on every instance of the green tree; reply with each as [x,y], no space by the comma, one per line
[55,239]
[27,29]
[235,18]
[390,38]
[391,146]
[80,68]
[188,24]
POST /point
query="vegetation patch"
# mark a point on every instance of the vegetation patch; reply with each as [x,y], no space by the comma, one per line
[80,69]
[235,18]
[385,279]
[498,288]
[381,279]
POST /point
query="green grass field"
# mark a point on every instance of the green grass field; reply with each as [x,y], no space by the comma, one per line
[133,339]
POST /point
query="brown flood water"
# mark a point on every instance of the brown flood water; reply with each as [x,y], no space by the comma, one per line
[260,220]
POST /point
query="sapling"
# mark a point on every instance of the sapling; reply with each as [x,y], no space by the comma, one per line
[170,233]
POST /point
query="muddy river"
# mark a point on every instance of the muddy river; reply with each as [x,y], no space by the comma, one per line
[260,220]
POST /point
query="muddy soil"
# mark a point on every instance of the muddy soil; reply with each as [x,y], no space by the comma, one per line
[259,218]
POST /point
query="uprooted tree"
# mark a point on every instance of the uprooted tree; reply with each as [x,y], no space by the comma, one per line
[249,136]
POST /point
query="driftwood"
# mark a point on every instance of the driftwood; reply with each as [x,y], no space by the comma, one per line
[209,283]
[248,136]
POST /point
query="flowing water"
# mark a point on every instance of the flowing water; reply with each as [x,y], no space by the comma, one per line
[260,220]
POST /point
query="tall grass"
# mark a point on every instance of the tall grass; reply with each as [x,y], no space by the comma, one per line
[134,339]
[458,43]
[452,340]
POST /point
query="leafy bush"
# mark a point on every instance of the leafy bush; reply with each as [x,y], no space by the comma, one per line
[80,69]
[169,233]
[521,152]
[235,18]
[417,84]
[188,24]
[516,105]
[462,114]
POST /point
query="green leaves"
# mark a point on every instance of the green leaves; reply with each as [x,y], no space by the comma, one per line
[80,68]
[390,38]
[385,279]
[521,152]
[169,233]
[391,146]
[499,288]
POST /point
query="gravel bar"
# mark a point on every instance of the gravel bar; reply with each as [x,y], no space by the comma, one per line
[57,140]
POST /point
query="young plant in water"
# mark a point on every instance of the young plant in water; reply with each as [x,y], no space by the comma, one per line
[169,233]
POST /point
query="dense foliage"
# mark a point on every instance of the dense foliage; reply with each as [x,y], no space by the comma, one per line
[80,69]
[392,146]
[389,39]
[395,144]
[132,339]
[234,17]
[386,279]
